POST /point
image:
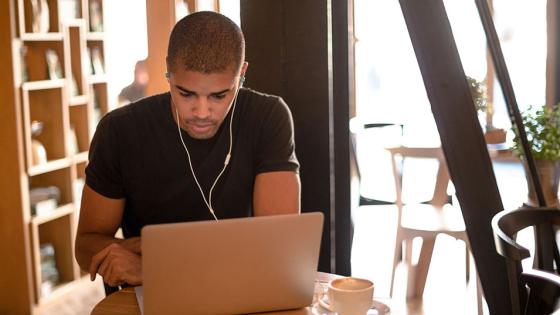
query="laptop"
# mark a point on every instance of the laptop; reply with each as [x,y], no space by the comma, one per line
[233,266]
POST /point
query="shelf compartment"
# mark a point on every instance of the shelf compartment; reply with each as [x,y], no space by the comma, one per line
[95,16]
[35,59]
[26,17]
[60,178]
[57,231]
[77,63]
[79,122]
[96,55]
[46,106]
[100,100]
[70,10]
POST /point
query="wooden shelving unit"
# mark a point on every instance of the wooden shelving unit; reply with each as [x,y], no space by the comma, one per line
[68,99]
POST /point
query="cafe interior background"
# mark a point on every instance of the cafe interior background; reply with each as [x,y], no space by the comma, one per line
[96,45]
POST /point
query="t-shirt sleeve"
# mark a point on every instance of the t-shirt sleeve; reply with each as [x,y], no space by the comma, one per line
[276,147]
[103,172]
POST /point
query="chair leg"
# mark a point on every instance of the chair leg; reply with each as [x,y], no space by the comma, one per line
[467,262]
[396,254]
[478,296]
[408,252]
[418,274]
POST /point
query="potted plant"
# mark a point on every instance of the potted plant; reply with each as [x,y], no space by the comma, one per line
[478,92]
[542,126]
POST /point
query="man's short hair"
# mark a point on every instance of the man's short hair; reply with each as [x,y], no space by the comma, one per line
[206,42]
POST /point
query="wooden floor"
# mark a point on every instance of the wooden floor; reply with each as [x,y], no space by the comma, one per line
[446,290]
[79,302]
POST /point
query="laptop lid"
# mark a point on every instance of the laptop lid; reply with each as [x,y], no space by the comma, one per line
[233,266]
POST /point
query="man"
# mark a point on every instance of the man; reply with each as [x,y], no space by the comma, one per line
[137,89]
[206,150]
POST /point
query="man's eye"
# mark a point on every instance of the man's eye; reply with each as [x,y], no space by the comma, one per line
[185,94]
[219,96]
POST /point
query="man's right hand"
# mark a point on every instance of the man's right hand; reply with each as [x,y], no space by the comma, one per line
[117,265]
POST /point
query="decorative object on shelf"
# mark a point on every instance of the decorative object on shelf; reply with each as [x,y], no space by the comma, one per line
[40,11]
[542,126]
[97,113]
[69,10]
[54,68]
[43,200]
[492,135]
[50,277]
[72,141]
[74,90]
[24,70]
[95,16]
[38,151]
[97,61]
[181,9]
[89,61]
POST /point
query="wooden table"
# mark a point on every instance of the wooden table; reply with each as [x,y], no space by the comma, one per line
[124,302]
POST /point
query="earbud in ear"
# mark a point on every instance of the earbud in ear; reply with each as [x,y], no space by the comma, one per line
[167,75]
[241,81]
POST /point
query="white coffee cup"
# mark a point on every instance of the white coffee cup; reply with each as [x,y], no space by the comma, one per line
[350,296]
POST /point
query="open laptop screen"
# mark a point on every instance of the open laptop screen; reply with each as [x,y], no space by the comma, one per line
[232,266]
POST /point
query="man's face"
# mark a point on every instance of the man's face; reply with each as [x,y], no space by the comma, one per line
[202,100]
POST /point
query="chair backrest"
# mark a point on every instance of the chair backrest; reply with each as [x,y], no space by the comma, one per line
[505,226]
[357,127]
[543,292]
[440,196]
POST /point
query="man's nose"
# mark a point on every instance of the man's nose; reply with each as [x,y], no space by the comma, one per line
[202,108]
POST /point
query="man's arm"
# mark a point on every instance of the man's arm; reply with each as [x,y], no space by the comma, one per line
[97,250]
[276,193]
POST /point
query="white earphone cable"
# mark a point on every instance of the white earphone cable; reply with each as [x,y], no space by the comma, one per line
[208,201]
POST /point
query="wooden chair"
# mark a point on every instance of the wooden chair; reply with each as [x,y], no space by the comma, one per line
[424,220]
[357,127]
[544,292]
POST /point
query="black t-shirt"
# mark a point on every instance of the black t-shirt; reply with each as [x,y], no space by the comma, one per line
[136,154]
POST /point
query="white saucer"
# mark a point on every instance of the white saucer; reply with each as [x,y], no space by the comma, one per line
[377,308]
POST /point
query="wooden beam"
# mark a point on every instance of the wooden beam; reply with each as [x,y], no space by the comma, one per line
[160,22]
[342,83]
[295,60]
[462,140]
[15,265]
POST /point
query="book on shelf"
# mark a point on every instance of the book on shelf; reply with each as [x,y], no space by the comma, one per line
[44,207]
[50,276]
[44,200]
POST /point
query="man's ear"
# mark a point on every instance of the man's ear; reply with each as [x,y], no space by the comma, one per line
[244,67]
[167,65]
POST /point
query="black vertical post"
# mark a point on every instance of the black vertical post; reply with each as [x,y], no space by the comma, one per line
[293,52]
[543,234]
[509,96]
[462,140]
